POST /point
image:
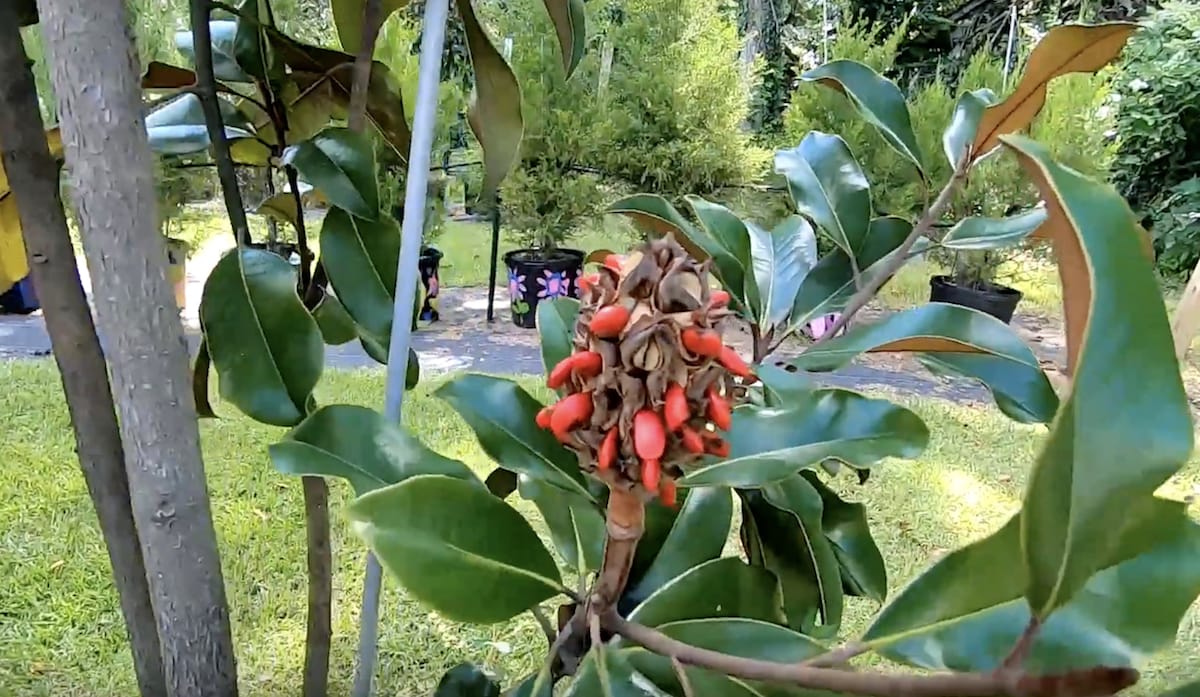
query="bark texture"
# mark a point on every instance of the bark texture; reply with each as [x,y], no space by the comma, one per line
[33,175]
[94,71]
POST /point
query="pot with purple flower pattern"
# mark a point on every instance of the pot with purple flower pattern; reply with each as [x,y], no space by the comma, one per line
[535,275]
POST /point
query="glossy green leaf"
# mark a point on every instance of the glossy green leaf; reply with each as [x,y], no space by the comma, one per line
[953,339]
[569,23]
[348,19]
[341,165]
[337,326]
[608,673]
[495,110]
[223,33]
[251,50]
[828,187]
[556,329]
[963,615]
[575,523]
[958,136]
[1126,426]
[200,374]
[830,284]
[526,687]
[698,535]
[178,128]
[781,386]
[361,446]
[502,415]
[361,258]
[456,548]
[845,525]
[656,216]
[786,519]
[878,99]
[660,521]
[978,232]
[467,680]
[412,370]
[719,588]
[746,638]
[660,673]
[768,444]
[725,237]
[266,347]
[781,259]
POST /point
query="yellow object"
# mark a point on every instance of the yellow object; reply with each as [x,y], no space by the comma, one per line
[13,265]
[177,269]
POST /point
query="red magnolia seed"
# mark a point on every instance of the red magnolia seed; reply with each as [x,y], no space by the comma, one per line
[702,342]
[732,362]
[608,450]
[608,322]
[613,261]
[649,440]
[543,417]
[718,410]
[585,364]
[691,441]
[651,474]
[667,492]
[718,298]
[570,412]
[675,409]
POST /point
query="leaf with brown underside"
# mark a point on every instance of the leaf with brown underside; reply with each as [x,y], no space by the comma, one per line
[654,214]
[385,104]
[1070,48]
[495,110]
[568,18]
[164,76]
[597,256]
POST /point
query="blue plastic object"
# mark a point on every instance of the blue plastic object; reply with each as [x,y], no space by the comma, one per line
[21,299]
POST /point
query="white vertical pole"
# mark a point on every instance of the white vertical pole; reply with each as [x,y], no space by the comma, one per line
[1012,38]
[416,181]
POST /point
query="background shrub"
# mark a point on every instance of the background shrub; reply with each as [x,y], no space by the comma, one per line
[669,120]
[1158,130]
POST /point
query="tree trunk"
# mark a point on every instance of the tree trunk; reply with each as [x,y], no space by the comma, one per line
[94,71]
[33,176]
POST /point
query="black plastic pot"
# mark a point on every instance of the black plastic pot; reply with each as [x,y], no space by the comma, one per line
[431,259]
[996,300]
[534,275]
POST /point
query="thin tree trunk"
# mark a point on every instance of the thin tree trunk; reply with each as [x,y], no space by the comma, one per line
[33,177]
[94,71]
[320,587]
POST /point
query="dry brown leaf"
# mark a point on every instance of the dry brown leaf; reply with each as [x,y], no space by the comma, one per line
[1066,49]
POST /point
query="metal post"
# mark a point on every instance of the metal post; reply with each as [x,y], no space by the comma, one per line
[491,312]
[1012,39]
[407,275]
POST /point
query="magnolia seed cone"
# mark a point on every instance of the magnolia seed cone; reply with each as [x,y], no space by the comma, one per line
[650,385]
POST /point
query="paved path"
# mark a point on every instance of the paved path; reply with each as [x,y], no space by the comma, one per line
[464,340]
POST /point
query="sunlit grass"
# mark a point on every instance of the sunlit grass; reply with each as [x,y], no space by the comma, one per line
[60,627]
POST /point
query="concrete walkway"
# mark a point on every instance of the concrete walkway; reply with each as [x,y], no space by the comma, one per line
[464,340]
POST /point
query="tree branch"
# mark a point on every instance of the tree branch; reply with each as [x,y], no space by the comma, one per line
[1082,683]
[372,19]
[626,522]
[206,90]
[924,224]
[838,656]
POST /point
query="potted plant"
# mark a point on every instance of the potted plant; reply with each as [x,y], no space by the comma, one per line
[546,206]
[973,285]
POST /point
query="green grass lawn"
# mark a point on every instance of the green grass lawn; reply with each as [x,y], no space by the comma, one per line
[61,632]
